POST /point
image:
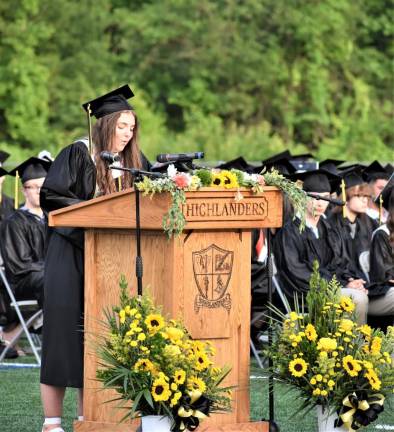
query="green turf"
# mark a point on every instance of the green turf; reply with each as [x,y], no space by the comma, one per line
[21,406]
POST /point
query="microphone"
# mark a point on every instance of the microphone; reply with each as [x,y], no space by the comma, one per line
[109,157]
[179,157]
[337,202]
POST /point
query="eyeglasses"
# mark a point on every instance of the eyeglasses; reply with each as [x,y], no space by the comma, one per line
[35,188]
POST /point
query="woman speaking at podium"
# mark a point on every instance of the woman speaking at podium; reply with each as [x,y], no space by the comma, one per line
[78,174]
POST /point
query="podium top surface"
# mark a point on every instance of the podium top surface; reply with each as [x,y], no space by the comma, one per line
[207,208]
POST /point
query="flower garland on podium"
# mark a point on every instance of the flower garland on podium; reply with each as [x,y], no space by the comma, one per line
[177,183]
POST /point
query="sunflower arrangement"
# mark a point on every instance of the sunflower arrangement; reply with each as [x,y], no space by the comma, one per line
[177,183]
[320,350]
[156,367]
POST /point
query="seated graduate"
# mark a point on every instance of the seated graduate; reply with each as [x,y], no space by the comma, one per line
[377,177]
[351,221]
[23,237]
[381,289]
[295,251]
[6,203]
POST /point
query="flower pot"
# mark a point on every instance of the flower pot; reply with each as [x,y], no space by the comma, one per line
[326,422]
[156,423]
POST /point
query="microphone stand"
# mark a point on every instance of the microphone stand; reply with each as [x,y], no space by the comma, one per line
[137,176]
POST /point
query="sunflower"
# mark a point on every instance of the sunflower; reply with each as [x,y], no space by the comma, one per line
[202,362]
[217,180]
[179,376]
[298,367]
[160,390]
[154,322]
[347,304]
[351,365]
[144,365]
[310,332]
[373,379]
[229,179]
[195,383]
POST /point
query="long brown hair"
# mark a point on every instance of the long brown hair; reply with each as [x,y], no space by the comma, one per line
[103,134]
[361,189]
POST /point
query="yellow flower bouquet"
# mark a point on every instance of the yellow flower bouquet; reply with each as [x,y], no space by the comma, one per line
[157,368]
[320,350]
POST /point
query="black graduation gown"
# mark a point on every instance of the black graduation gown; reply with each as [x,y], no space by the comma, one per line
[295,252]
[23,250]
[381,264]
[6,207]
[361,242]
[70,180]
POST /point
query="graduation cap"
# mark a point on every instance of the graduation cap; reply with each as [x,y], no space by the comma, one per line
[3,172]
[30,169]
[304,162]
[284,166]
[114,101]
[319,180]
[238,163]
[331,165]
[3,157]
[389,168]
[352,176]
[375,171]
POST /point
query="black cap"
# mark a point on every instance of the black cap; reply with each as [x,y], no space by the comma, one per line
[375,171]
[318,180]
[331,165]
[280,162]
[238,163]
[302,157]
[3,156]
[3,172]
[114,101]
[304,162]
[353,176]
[387,195]
[31,168]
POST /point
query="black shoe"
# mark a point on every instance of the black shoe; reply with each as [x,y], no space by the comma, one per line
[11,353]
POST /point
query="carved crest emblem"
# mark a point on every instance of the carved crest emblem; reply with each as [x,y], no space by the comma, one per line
[212,269]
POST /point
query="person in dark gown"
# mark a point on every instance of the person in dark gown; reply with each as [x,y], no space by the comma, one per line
[76,176]
[377,177]
[295,251]
[23,239]
[381,290]
[355,227]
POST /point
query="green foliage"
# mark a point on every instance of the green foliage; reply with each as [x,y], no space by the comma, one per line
[229,78]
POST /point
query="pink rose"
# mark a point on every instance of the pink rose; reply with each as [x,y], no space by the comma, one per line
[181,180]
[261,180]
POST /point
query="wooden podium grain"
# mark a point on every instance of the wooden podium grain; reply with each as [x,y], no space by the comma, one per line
[202,277]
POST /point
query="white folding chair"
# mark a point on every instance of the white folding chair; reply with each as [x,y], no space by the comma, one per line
[363,260]
[34,321]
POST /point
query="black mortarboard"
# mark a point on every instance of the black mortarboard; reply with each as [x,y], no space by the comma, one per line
[318,180]
[352,176]
[283,165]
[375,171]
[389,168]
[238,163]
[31,168]
[3,156]
[274,158]
[304,162]
[114,101]
[386,197]
[331,165]
[3,172]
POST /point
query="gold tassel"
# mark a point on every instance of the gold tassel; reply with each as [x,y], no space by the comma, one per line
[380,209]
[90,145]
[343,187]
[119,183]
[16,200]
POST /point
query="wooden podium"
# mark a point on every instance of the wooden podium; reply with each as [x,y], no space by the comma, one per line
[202,277]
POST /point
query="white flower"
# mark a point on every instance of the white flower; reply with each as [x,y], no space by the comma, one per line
[171,171]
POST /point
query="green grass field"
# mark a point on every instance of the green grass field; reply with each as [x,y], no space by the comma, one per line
[21,406]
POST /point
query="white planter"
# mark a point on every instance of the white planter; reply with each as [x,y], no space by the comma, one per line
[325,422]
[157,423]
